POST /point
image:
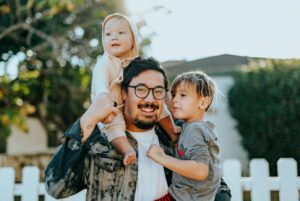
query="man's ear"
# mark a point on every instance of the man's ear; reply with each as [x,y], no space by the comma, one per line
[124,95]
[204,102]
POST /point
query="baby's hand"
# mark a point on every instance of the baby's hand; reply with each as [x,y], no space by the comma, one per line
[156,153]
[109,118]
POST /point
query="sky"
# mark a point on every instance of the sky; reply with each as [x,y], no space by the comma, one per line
[193,29]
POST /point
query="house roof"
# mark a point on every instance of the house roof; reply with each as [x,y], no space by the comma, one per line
[224,63]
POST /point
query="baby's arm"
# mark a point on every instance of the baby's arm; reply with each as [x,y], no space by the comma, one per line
[187,168]
[100,78]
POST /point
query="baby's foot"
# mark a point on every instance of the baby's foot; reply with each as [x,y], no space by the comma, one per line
[130,157]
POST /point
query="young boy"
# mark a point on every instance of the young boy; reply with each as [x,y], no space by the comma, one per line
[196,168]
[120,43]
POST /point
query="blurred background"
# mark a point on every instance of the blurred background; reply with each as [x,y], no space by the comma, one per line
[250,48]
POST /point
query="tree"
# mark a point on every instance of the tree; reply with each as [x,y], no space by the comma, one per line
[265,101]
[57,42]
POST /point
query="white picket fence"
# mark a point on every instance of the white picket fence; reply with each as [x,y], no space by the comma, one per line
[259,183]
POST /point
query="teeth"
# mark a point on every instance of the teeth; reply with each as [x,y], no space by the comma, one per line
[147,109]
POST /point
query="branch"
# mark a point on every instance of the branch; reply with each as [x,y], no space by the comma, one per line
[11,29]
[42,35]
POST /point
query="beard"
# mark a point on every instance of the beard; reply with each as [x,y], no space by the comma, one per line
[144,125]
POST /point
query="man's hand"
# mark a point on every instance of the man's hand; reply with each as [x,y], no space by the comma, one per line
[102,106]
[156,153]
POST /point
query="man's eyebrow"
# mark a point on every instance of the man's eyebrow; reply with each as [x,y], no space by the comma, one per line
[143,84]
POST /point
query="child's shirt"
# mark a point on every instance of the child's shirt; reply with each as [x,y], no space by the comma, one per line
[197,142]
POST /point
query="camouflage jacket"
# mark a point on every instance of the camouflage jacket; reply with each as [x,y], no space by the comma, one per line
[96,166]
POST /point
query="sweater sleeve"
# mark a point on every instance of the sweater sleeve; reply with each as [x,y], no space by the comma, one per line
[64,173]
[100,77]
[197,145]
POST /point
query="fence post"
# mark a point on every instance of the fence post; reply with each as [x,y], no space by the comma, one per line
[232,176]
[287,173]
[259,171]
[7,182]
[30,183]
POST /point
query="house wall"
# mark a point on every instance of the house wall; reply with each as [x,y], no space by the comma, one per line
[228,135]
[34,141]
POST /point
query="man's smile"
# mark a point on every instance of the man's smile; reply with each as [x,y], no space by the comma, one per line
[148,108]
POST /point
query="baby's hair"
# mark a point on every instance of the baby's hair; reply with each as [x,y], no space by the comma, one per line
[204,85]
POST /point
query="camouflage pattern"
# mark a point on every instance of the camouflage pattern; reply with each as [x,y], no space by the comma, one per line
[94,165]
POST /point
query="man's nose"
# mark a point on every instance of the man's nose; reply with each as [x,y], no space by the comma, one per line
[150,97]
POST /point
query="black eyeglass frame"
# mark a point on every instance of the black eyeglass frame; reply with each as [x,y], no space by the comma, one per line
[149,89]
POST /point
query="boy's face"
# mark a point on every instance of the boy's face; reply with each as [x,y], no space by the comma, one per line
[185,103]
[118,38]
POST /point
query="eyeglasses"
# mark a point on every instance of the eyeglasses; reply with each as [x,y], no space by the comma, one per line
[142,91]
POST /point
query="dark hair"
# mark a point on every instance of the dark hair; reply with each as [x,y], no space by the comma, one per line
[139,65]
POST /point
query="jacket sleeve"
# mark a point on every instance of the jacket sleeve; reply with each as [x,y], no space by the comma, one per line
[64,173]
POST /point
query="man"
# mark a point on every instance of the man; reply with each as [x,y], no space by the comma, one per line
[87,160]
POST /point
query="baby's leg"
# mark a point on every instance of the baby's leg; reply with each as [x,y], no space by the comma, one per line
[115,133]
[123,146]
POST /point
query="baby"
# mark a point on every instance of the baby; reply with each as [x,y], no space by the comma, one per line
[120,43]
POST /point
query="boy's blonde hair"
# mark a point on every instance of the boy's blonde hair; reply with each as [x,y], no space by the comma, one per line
[204,85]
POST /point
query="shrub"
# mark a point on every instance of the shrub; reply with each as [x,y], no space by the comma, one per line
[265,101]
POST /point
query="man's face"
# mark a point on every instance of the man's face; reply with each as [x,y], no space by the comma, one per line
[141,114]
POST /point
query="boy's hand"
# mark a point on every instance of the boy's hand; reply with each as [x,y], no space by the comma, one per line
[156,153]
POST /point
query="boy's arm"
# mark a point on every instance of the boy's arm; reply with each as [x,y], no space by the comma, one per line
[187,168]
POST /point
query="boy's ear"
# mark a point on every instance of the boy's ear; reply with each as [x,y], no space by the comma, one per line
[204,102]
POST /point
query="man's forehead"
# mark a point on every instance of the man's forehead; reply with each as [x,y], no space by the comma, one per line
[150,78]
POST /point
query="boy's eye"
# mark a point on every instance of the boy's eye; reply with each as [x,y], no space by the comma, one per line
[182,95]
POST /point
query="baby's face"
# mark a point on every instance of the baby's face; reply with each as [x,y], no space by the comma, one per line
[118,37]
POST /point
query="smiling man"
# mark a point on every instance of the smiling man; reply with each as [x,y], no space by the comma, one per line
[88,160]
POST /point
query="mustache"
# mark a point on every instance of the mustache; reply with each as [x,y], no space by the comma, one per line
[148,105]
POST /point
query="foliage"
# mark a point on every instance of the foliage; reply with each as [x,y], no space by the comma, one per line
[56,42]
[265,101]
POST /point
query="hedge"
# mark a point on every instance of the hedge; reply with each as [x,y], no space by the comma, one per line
[265,101]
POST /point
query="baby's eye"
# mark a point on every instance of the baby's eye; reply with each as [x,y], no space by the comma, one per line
[121,32]
[107,34]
